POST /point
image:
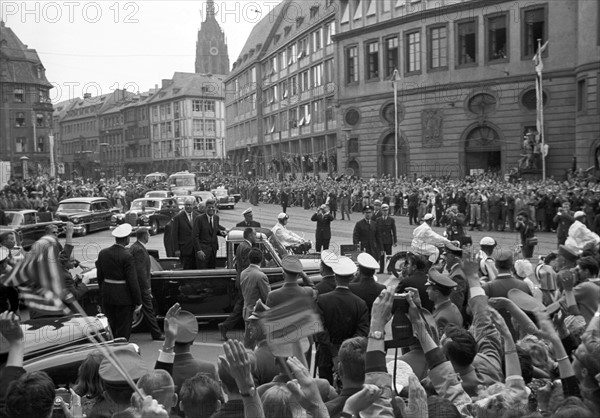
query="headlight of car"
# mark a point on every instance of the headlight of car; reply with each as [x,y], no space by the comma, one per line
[113,218]
[231,199]
[75,220]
[144,218]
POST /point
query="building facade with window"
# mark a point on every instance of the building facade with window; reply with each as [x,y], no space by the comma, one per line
[187,123]
[280,93]
[466,85]
[26,110]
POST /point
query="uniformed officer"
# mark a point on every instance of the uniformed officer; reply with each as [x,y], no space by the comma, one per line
[456,274]
[366,286]
[487,264]
[249,220]
[344,316]
[292,268]
[117,393]
[327,283]
[119,287]
[365,232]
[439,288]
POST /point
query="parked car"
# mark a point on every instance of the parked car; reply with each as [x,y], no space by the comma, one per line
[152,213]
[204,195]
[29,225]
[88,214]
[223,199]
[210,294]
[180,199]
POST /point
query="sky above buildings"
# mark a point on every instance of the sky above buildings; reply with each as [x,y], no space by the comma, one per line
[99,46]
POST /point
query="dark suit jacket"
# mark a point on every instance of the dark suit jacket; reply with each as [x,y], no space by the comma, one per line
[186,366]
[241,258]
[142,264]
[286,293]
[253,224]
[367,289]
[344,316]
[365,235]
[386,231]
[116,263]
[182,233]
[323,225]
[206,237]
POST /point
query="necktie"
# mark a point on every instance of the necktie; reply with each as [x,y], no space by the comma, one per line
[190,218]
[210,222]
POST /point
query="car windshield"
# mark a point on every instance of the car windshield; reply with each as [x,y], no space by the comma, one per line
[73,207]
[220,192]
[14,218]
[157,194]
[141,204]
[182,181]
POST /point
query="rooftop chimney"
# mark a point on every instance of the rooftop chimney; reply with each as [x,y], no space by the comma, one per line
[87,95]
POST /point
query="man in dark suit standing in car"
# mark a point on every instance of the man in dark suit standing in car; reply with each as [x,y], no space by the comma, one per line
[182,229]
[365,232]
[205,233]
[142,265]
[118,283]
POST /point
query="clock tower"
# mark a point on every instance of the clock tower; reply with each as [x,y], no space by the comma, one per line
[212,56]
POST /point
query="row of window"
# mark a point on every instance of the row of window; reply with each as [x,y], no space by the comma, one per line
[303,115]
[19,96]
[39,120]
[133,115]
[21,145]
[84,110]
[79,127]
[141,151]
[177,149]
[173,129]
[174,110]
[108,122]
[136,132]
[383,57]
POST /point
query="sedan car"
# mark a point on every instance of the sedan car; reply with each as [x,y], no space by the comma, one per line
[87,213]
[223,199]
[29,225]
[152,213]
[158,193]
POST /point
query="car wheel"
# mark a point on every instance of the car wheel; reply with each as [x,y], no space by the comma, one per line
[137,324]
[153,227]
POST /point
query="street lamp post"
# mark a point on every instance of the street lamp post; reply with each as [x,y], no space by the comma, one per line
[396,78]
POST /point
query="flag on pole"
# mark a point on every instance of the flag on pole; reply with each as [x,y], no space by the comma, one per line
[539,68]
[38,278]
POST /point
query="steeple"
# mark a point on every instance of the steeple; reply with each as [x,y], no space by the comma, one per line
[212,56]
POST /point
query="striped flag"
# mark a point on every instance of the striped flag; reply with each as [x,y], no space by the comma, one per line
[38,278]
[539,68]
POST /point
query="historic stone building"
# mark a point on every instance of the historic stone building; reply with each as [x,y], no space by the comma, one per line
[212,56]
[280,93]
[466,94]
[26,108]
[187,123]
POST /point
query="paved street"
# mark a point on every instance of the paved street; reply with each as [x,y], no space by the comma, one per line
[208,344]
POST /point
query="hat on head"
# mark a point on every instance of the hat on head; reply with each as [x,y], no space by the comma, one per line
[291,264]
[504,255]
[435,190]
[329,258]
[377,202]
[282,216]
[568,252]
[453,249]
[323,206]
[579,214]
[523,268]
[132,363]
[367,207]
[247,212]
[187,327]
[4,253]
[385,206]
[122,231]
[259,308]
[435,278]
[525,301]
[344,267]
[366,260]
[487,241]
[428,217]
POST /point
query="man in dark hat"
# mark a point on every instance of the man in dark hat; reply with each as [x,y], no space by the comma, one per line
[365,233]
[292,269]
[117,278]
[117,392]
[456,274]
[344,316]
[366,287]
[439,288]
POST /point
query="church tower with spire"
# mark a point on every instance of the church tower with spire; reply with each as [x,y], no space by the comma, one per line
[212,56]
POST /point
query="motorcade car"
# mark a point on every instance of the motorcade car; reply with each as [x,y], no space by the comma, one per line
[158,193]
[180,199]
[210,294]
[223,199]
[204,195]
[154,178]
[88,214]
[29,225]
[182,181]
[148,212]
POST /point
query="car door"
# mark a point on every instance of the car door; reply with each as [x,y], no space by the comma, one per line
[106,213]
[96,216]
[28,230]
